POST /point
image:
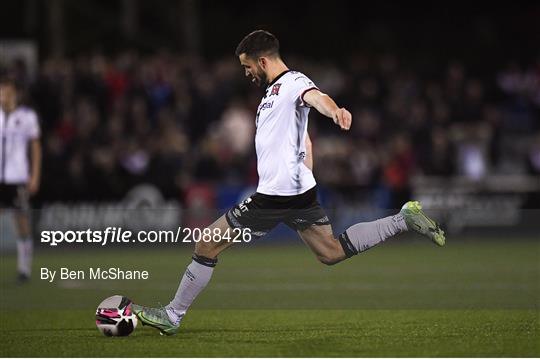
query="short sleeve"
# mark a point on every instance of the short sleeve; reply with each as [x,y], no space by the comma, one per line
[33,129]
[302,85]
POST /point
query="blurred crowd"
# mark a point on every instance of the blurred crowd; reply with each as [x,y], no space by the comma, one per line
[110,123]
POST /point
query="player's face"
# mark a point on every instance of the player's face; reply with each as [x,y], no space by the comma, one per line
[8,96]
[253,70]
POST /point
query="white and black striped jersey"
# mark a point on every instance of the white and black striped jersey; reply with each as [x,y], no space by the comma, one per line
[17,129]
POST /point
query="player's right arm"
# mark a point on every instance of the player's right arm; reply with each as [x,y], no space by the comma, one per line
[327,107]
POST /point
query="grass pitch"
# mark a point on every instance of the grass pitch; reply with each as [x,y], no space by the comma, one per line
[404,298]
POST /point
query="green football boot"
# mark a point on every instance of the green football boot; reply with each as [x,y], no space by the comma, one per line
[155,317]
[417,220]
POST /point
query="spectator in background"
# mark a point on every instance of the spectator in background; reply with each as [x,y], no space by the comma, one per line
[440,157]
[136,118]
[533,168]
[397,169]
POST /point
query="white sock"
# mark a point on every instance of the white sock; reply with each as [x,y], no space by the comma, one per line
[29,255]
[24,256]
[195,279]
[362,236]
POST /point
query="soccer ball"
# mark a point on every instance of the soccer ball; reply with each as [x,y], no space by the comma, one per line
[115,318]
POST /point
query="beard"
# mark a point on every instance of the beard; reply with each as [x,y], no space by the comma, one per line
[259,78]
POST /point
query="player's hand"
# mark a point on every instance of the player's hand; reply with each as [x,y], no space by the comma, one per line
[33,186]
[342,118]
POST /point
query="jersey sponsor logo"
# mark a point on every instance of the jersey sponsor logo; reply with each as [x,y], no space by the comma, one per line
[266,105]
[275,89]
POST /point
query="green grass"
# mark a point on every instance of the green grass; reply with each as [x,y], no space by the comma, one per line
[404,298]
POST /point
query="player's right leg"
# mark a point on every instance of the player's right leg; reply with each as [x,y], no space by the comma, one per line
[320,239]
[196,277]
[16,198]
[419,222]
[361,236]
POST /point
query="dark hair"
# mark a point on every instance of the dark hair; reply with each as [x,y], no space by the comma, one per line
[258,43]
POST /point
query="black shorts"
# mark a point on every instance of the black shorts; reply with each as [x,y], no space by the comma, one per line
[14,196]
[261,212]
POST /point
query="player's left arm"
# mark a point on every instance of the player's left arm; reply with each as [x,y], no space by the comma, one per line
[308,161]
[327,107]
[35,171]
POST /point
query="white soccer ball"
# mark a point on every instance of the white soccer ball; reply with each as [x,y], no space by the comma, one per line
[114,317]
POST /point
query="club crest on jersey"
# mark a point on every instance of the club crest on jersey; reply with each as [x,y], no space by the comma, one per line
[275,90]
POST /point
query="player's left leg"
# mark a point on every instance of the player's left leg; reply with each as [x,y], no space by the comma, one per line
[199,271]
[195,278]
[245,216]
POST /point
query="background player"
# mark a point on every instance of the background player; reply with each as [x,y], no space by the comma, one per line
[19,177]
[287,189]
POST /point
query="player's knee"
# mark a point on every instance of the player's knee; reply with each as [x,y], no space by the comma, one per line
[331,255]
[328,259]
[207,249]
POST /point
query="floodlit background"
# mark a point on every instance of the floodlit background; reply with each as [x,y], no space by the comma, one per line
[136,92]
[148,122]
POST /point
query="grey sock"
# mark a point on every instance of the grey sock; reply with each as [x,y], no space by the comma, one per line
[362,236]
[195,279]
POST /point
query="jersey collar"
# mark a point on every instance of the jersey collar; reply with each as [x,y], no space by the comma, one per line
[277,78]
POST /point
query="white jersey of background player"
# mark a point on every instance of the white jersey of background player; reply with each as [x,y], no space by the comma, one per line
[19,176]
